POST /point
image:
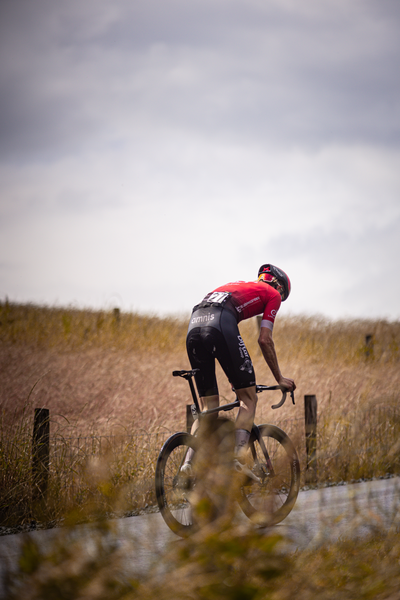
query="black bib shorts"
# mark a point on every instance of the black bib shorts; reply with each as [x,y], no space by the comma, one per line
[213,334]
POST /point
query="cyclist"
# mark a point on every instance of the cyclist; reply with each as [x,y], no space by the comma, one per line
[213,334]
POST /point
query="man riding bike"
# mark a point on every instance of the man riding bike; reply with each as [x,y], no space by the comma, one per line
[213,334]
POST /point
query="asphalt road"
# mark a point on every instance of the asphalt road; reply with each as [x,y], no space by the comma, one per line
[318,516]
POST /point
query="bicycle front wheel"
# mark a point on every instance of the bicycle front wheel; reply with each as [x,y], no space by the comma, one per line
[173,488]
[278,469]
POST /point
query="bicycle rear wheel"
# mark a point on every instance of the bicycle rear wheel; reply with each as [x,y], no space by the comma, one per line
[173,489]
[270,501]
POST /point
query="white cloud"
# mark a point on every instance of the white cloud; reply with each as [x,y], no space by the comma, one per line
[210,137]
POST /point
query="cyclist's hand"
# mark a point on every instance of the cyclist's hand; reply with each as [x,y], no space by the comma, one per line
[287,384]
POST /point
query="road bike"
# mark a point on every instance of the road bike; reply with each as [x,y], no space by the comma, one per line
[265,499]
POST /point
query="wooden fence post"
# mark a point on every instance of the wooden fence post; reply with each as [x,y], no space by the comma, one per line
[189,418]
[116,317]
[310,415]
[41,451]
[369,346]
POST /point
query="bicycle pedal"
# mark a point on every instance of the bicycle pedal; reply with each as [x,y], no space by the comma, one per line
[244,470]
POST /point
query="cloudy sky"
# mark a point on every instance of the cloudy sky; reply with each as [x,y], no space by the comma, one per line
[151,150]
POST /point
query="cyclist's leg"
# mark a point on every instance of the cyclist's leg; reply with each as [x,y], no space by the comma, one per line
[202,359]
[245,418]
[236,363]
[199,348]
[248,403]
[205,403]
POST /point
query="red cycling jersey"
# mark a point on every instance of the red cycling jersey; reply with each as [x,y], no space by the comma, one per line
[251,298]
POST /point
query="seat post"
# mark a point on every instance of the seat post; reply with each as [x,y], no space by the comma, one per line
[194,396]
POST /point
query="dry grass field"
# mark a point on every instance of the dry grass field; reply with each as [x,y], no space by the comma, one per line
[102,372]
[109,374]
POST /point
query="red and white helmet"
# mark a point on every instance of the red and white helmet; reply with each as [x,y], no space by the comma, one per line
[277,278]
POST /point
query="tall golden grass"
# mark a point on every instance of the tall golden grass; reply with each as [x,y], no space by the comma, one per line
[70,329]
[106,378]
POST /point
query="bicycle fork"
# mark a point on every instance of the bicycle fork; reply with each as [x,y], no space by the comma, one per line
[257,437]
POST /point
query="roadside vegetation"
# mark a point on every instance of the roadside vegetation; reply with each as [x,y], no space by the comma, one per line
[222,561]
[106,379]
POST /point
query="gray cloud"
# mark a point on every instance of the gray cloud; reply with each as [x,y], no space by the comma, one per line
[211,133]
[272,73]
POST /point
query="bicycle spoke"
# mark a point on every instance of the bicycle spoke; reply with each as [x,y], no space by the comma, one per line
[173,488]
[271,500]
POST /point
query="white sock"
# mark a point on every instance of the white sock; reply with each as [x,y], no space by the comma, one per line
[242,441]
[189,456]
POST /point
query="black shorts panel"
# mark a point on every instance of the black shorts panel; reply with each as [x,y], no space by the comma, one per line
[215,335]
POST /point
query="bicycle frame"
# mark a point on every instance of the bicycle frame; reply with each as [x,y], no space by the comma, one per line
[197,413]
[255,433]
[263,501]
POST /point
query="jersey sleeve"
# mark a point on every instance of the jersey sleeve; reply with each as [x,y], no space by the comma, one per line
[270,312]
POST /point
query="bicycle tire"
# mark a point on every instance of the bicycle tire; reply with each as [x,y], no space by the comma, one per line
[269,502]
[173,489]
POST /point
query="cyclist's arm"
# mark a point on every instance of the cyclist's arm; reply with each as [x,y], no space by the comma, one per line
[267,346]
